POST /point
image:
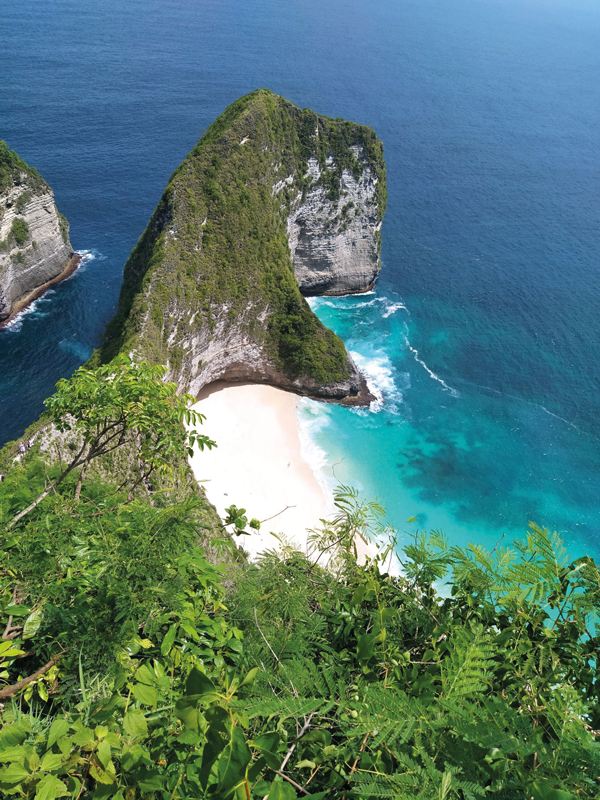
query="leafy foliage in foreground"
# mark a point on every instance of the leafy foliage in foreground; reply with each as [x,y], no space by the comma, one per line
[132,666]
[353,685]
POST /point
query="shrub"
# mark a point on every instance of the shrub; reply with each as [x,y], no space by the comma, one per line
[20,231]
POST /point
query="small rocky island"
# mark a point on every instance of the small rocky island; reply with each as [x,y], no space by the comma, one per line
[273,203]
[35,251]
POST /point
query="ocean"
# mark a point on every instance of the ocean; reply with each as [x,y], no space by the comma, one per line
[481,339]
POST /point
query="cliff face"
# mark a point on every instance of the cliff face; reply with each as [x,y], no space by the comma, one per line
[272,202]
[334,242]
[34,243]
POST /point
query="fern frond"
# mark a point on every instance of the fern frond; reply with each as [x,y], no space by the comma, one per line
[468,667]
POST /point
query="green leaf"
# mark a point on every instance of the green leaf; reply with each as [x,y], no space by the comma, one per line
[83,737]
[13,734]
[281,791]
[8,650]
[186,709]
[131,756]
[152,781]
[231,767]
[250,677]
[268,743]
[32,624]
[13,754]
[135,724]
[50,787]
[104,753]
[101,775]
[366,646]
[541,791]
[168,641]
[199,684]
[13,774]
[215,744]
[58,728]
[51,761]
[17,610]
[145,694]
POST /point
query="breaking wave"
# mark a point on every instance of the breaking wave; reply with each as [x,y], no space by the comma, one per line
[379,372]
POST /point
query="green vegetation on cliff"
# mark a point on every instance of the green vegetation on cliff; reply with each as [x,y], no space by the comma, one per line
[11,166]
[20,230]
[143,658]
[217,240]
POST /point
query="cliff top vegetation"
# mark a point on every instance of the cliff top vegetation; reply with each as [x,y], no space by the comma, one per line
[216,248]
[12,166]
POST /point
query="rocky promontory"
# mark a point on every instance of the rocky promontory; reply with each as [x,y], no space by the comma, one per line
[273,203]
[35,251]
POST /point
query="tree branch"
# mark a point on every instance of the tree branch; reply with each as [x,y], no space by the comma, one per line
[293,747]
[11,690]
[289,780]
[75,463]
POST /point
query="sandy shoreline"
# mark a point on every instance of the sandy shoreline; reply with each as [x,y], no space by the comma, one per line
[258,463]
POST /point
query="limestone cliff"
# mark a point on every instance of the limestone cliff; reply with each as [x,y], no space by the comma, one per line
[273,201]
[334,240]
[34,242]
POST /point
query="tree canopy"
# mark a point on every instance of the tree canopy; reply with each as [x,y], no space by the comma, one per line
[145,658]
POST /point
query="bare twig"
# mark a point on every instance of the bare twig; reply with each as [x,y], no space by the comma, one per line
[312,776]
[300,735]
[289,780]
[11,632]
[276,515]
[265,638]
[362,747]
[83,780]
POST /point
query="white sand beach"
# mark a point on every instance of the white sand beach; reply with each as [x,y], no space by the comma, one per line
[258,463]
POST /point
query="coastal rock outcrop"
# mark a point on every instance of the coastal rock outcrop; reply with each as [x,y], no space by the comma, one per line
[334,241]
[35,251]
[274,202]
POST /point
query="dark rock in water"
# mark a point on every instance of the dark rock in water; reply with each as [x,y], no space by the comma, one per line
[273,202]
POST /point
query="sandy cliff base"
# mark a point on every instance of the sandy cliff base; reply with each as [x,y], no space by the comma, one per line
[258,463]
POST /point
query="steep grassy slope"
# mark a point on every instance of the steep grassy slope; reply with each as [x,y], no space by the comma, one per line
[210,288]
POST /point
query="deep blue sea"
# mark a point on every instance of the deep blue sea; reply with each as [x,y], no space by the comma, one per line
[482,338]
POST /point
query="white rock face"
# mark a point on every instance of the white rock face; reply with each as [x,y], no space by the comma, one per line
[44,255]
[229,352]
[333,243]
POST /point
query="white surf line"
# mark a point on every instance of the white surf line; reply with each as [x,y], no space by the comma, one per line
[532,403]
[552,414]
[431,373]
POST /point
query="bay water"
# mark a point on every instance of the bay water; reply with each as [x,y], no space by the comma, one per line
[481,339]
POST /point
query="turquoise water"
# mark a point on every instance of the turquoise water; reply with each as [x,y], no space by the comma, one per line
[489,112]
[469,460]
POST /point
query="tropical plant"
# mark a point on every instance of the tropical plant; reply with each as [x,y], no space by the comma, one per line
[106,405]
